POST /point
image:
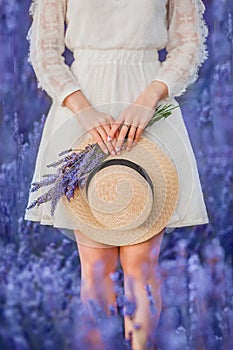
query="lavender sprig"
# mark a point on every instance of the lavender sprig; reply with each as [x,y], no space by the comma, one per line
[74,168]
[162,112]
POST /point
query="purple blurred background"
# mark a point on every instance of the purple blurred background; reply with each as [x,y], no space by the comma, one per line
[39,267]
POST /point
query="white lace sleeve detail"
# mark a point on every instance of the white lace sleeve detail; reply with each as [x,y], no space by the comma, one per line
[186,45]
[46,38]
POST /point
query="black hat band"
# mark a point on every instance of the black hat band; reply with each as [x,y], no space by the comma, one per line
[120,161]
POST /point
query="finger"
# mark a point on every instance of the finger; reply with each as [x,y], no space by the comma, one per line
[107,128]
[100,129]
[137,135]
[131,135]
[114,140]
[117,133]
[120,139]
[99,140]
[114,127]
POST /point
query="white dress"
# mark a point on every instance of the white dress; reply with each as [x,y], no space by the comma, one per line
[115,46]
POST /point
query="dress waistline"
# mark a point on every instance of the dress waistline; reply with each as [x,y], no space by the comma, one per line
[118,55]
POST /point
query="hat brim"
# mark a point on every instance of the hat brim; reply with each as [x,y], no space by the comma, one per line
[164,176]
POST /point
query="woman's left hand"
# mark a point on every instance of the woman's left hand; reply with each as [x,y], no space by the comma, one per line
[134,119]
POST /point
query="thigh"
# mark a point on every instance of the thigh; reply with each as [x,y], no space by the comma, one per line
[143,253]
[91,254]
[97,260]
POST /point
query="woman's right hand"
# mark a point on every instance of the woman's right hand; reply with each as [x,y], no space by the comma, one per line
[98,124]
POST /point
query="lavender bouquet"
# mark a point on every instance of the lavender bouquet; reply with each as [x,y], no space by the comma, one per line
[74,168]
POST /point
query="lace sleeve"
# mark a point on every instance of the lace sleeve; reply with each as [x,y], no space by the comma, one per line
[186,45]
[46,37]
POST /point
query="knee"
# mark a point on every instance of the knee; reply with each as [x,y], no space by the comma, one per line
[139,267]
[141,261]
[97,270]
[97,263]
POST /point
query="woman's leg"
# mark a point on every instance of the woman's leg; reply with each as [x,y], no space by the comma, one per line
[96,284]
[140,266]
[96,266]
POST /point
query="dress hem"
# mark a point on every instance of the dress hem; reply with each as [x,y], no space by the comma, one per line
[203,221]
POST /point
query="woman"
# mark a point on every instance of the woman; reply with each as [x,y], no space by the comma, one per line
[115,46]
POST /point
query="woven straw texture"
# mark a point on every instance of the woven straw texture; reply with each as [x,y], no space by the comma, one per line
[120,198]
[96,224]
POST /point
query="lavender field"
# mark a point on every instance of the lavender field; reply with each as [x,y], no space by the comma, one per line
[39,266]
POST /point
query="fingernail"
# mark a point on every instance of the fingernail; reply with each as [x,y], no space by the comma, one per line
[127,149]
[113,153]
[109,138]
[134,144]
[105,151]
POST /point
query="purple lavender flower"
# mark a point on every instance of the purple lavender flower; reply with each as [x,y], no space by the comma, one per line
[72,172]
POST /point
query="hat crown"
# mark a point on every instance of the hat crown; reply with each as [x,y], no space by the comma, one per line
[120,194]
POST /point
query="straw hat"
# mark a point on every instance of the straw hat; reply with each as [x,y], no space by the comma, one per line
[128,198]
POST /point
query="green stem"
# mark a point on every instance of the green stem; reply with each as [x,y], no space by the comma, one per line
[162,112]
